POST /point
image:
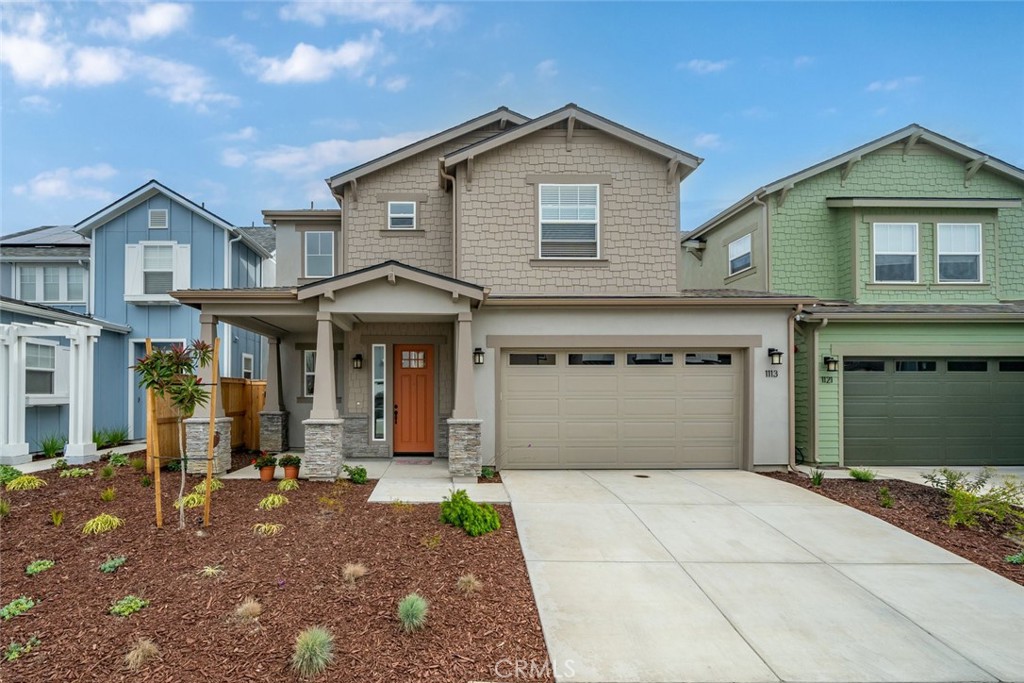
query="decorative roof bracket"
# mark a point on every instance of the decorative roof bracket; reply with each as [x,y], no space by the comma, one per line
[847,167]
[782,194]
[972,167]
[911,141]
[570,124]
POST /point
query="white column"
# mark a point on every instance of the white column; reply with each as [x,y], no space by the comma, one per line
[5,381]
[274,399]
[325,405]
[74,390]
[14,449]
[80,448]
[465,391]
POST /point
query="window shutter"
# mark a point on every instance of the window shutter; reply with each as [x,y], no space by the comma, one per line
[62,370]
[132,270]
[182,266]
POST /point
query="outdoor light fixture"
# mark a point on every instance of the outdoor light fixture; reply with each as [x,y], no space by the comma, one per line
[831,363]
[478,356]
[776,356]
[357,361]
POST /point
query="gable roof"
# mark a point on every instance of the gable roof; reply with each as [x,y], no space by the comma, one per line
[46,236]
[151,189]
[30,308]
[914,131]
[265,237]
[501,114]
[391,269]
[688,161]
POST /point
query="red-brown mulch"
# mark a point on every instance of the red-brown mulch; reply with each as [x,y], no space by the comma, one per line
[494,479]
[296,575]
[923,510]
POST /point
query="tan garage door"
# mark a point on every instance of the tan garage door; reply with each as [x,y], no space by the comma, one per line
[621,409]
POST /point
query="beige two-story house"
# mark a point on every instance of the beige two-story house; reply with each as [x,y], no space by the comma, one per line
[506,293]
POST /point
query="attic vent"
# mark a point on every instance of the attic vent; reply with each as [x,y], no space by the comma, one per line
[157,218]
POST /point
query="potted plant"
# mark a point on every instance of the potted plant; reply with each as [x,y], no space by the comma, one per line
[266,464]
[290,463]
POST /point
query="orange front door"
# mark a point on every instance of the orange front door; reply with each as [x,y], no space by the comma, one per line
[414,398]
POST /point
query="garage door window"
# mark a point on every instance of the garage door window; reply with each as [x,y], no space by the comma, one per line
[863,366]
[648,359]
[895,247]
[591,359]
[709,359]
[531,359]
[916,366]
[1011,366]
[967,366]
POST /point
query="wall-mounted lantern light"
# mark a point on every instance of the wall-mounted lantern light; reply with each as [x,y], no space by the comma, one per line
[776,356]
[357,361]
[478,356]
[831,363]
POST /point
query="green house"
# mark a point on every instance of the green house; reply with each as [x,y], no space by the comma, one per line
[914,245]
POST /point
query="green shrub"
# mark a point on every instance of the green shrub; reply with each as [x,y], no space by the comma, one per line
[215,485]
[190,500]
[487,472]
[1015,559]
[861,474]
[174,466]
[273,501]
[16,607]
[146,481]
[314,651]
[1000,503]
[110,438]
[38,567]
[108,494]
[948,480]
[56,517]
[137,464]
[26,482]
[52,445]
[16,649]
[8,473]
[475,518]
[885,498]
[117,460]
[288,485]
[102,524]
[5,507]
[357,474]
[106,472]
[128,605]
[412,612]
[75,473]
[112,564]
[59,464]
[817,477]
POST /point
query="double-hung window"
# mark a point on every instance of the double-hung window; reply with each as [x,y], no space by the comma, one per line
[895,252]
[247,366]
[401,215]
[740,255]
[157,268]
[319,254]
[51,284]
[308,373]
[569,221]
[40,367]
[153,269]
[959,252]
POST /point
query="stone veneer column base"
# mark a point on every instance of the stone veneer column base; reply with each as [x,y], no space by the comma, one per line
[197,431]
[322,458]
[274,431]
[80,453]
[464,447]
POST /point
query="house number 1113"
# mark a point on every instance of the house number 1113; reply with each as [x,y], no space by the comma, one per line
[771,373]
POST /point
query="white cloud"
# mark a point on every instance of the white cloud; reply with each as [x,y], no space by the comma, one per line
[547,69]
[403,15]
[396,84]
[232,158]
[181,83]
[37,103]
[708,141]
[93,66]
[702,67]
[157,20]
[69,183]
[893,84]
[803,61]
[308,63]
[247,133]
[329,155]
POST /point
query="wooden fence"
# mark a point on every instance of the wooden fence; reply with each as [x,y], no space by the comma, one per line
[242,400]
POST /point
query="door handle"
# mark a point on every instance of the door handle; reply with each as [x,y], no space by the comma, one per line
[396,413]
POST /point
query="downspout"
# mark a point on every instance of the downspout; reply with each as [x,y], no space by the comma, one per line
[227,284]
[455,217]
[767,256]
[791,372]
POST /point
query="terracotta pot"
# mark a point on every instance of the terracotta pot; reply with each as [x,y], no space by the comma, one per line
[291,471]
[267,473]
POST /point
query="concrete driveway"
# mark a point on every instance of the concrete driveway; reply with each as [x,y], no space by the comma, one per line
[731,576]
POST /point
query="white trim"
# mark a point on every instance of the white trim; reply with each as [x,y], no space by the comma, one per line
[384,385]
[916,254]
[730,258]
[131,376]
[596,221]
[305,252]
[306,373]
[391,215]
[252,366]
[167,219]
[939,254]
[91,307]
[43,343]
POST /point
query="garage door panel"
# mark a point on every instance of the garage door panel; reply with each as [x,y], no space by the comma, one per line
[648,407]
[706,456]
[706,429]
[531,382]
[649,383]
[633,431]
[533,430]
[592,454]
[588,431]
[721,381]
[586,385]
[707,406]
[533,407]
[595,408]
[650,456]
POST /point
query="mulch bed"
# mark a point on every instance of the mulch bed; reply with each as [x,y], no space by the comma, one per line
[296,575]
[923,510]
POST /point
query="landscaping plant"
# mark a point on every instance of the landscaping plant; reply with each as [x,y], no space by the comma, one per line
[171,374]
[487,472]
[314,651]
[468,584]
[949,480]
[38,567]
[117,460]
[146,481]
[351,573]
[137,464]
[56,517]
[59,464]
[26,482]
[143,650]
[7,473]
[190,500]
[128,605]
[108,494]
[475,518]
[16,607]
[1015,559]
[248,610]
[267,529]
[412,612]
[288,485]
[1000,503]
[16,649]
[102,524]
[211,571]
[817,477]
[5,507]
[861,474]
[112,564]
[75,473]
[885,498]
[52,444]
[357,474]
[106,472]
[431,542]
[272,501]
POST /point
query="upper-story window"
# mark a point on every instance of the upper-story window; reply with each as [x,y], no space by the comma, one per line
[51,284]
[895,252]
[401,215]
[319,254]
[157,268]
[569,221]
[959,252]
[740,255]
[154,269]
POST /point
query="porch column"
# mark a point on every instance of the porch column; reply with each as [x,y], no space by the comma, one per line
[273,420]
[80,448]
[13,447]
[197,427]
[464,427]
[324,428]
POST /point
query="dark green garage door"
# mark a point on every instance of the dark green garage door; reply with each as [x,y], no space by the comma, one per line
[933,411]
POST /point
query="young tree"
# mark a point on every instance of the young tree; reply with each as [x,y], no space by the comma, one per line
[171,374]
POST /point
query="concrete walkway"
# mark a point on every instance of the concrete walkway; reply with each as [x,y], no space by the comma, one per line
[731,576]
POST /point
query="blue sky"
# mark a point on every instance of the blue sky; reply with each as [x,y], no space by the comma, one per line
[247,106]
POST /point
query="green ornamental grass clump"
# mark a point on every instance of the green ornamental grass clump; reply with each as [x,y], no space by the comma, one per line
[26,482]
[108,494]
[475,518]
[412,612]
[137,464]
[288,485]
[102,524]
[817,477]
[861,474]
[314,651]
[52,444]
[38,567]
[107,472]
[5,507]
[885,498]
[272,501]
[16,608]
[128,605]
[56,517]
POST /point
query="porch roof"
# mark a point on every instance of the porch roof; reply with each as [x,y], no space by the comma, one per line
[391,270]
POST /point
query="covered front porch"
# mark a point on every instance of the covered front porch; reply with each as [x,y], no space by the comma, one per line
[374,363]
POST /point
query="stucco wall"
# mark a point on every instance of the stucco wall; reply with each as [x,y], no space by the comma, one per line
[712,270]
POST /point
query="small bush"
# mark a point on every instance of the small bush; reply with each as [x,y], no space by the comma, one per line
[7,473]
[272,501]
[117,460]
[431,542]
[267,529]
[468,584]
[487,472]
[112,564]
[16,608]
[137,464]
[143,651]
[75,473]
[59,464]
[412,612]
[52,445]
[314,651]
[56,517]
[817,477]
[885,498]
[102,524]
[16,649]
[288,485]
[174,466]
[351,573]
[211,571]
[248,609]
[26,482]
[215,485]
[38,567]
[1015,559]
[5,507]
[128,605]
[356,475]
[999,503]
[475,518]
[107,472]
[861,474]
[193,499]
[108,494]
[949,480]
[146,481]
